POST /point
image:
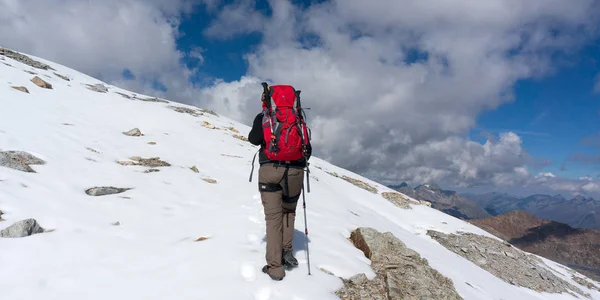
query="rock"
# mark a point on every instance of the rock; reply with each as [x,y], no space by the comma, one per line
[208,125]
[117,223]
[22,229]
[24,59]
[360,184]
[401,273]
[585,283]
[93,150]
[152,100]
[151,143]
[152,171]
[30,72]
[185,110]
[152,162]
[209,180]
[1,213]
[239,137]
[232,129]
[398,199]
[21,88]
[193,168]
[99,87]
[505,262]
[105,190]
[62,77]
[19,160]
[200,239]
[133,132]
[208,111]
[426,203]
[327,271]
[41,83]
[124,95]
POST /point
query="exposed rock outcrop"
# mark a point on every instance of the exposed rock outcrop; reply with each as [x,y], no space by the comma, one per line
[398,199]
[21,88]
[240,137]
[24,59]
[19,160]
[22,229]
[401,273]
[209,180]
[185,110]
[99,87]
[360,184]
[124,95]
[62,77]
[133,132]
[573,247]
[504,261]
[152,162]
[105,190]
[208,125]
[152,100]
[41,83]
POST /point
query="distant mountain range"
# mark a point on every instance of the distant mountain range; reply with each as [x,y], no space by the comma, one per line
[577,248]
[578,212]
[447,201]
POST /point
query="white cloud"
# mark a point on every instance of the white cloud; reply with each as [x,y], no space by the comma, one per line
[545,174]
[375,109]
[379,112]
[102,38]
[586,178]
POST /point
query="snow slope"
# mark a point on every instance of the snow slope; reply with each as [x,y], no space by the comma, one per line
[152,254]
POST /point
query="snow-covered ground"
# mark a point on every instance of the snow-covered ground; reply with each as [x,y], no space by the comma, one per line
[153,254]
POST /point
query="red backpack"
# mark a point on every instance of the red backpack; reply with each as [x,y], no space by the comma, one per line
[285,132]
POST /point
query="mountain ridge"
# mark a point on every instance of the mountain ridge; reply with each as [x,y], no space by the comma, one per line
[120,213]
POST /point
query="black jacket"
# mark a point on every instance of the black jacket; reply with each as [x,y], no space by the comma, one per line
[256,137]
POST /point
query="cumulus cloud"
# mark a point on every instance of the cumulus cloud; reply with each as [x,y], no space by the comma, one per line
[393,91]
[394,86]
[102,38]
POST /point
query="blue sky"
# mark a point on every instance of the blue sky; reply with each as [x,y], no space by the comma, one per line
[554,115]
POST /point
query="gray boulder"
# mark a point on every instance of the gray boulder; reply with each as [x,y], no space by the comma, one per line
[22,229]
[133,132]
[105,190]
[401,273]
[505,262]
[100,88]
[19,160]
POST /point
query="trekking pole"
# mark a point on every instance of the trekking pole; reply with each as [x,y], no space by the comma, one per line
[306,229]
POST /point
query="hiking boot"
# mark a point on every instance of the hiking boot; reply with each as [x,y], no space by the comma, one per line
[288,259]
[265,270]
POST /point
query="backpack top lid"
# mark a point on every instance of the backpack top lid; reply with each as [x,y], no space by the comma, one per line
[280,96]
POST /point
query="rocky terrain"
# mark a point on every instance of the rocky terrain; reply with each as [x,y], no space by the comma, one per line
[578,212]
[447,201]
[401,273]
[577,248]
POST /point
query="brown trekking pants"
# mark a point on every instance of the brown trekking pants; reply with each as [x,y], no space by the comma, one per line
[279,200]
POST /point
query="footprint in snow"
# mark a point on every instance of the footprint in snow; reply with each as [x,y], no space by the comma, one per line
[248,271]
[253,238]
[263,294]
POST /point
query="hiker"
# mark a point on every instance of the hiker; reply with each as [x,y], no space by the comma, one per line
[282,158]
